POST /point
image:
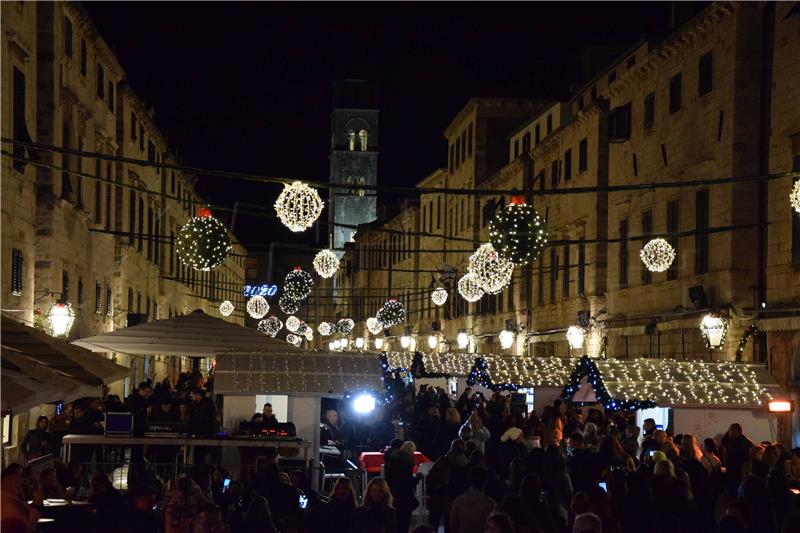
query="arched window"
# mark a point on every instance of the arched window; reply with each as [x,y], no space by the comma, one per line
[363,136]
[351,141]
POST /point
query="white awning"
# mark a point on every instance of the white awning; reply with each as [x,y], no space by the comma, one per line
[195,334]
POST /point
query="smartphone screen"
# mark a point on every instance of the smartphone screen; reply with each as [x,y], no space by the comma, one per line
[303,501]
[652,452]
[603,486]
[225,484]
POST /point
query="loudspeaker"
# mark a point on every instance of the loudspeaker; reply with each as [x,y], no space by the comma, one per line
[698,297]
[583,319]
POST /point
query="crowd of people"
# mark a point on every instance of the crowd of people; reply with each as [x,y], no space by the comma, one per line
[495,470]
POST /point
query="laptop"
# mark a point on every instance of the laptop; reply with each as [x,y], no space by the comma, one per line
[119,425]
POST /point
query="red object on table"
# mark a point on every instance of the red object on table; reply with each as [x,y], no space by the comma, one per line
[372,461]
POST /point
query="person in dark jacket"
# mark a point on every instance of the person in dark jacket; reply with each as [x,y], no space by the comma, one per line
[376,515]
[37,441]
[399,474]
[737,453]
[136,404]
[284,499]
[446,432]
[443,482]
[338,514]
[202,421]
[140,515]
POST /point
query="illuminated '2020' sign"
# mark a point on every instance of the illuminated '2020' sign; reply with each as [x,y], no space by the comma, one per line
[260,290]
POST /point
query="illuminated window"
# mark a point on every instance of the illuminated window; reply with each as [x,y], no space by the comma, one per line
[351,141]
[363,137]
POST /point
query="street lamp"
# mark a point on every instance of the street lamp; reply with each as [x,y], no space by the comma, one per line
[405,341]
[360,343]
[506,339]
[575,336]
[462,339]
[432,342]
[378,343]
[714,328]
[61,318]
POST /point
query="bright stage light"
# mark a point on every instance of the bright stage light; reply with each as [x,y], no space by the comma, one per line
[364,404]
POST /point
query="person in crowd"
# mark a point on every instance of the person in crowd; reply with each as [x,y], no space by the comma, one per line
[631,441]
[202,422]
[137,404]
[517,471]
[141,514]
[331,433]
[183,506]
[399,475]
[37,441]
[689,449]
[339,512]
[471,509]
[259,517]
[557,483]
[446,432]
[584,465]
[283,498]
[376,514]
[754,462]
[613,455]
[587,523]
[107,501]
[269,420]
[49,485]
[209,520]
[512,446]
[590,437]
[442,482]
[537,514]
[15,513]
[475,431]
[499,523]
[710,459]
[737,452]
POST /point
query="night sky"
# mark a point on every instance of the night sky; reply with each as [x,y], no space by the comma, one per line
[247,86]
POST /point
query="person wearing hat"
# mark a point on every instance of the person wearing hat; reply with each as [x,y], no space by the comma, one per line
[512,445]
[474,431]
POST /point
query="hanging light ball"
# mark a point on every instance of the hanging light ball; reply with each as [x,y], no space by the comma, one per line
[518,232]
[391,313]
[439,296]
[794,196]
[257,307]
[469,288]
[326,263]
[293,324]
[374,326]
[325,329]
[297,284]
[294,340]
[298,206]
[270,326]
[657,255]
[492,272]
[203,242]
[302,328]
[226,308]
[345,326]
[288,305]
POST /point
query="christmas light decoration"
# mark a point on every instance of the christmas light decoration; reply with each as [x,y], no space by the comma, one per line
[309,334]
[226,308]
[288,305]
[257,307]
[492,272]
[506,339]
[392,313]
[344,343]
[586,367]
[297,284]
[345,326]
[657,255]
[61,318]
[405,341]
[332,346]
[324,329]
[378,343]
[433,341]
[463,340]
[374,326]
[518,232]
[292,323]
[302,328]
[714,328]
[326,263]
[575,336]
[752,330]
[794,196]
[360,343]
[203,243]
[270,326]
[294,340]
[298,206]
[469,288]
[439,296]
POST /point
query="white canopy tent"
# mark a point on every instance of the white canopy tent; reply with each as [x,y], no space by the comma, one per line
[195,334]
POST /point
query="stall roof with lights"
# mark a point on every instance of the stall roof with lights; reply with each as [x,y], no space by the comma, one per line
[194,334]
[307,373]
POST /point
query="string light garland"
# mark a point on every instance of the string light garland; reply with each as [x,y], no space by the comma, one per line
[257,307]
[294,340]
[297,284]
[751,331]
[326,263]
[657,255]
[292,323]
[298,206]
[392,313]
[345,326]
[492,272]
[226,308]
[374,326]
[439,296]
[587,367]
[794,196]
[518,232]
[270,326]
[469,288]
[288,305]
[203,243]
[325,329]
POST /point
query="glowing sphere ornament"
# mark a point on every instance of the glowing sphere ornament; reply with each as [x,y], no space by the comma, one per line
[294,340]
[345,326]
[469,288]
[374,326]
[325,329]
[518,232]
[226,308]
[257,307]
[391,313]
[298,206]
[439,296]
[794,196]
[293,324]
[288,305]
[657,255]
[297,284]
[203,242]
[270,326]
[326,263]
[492,272]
